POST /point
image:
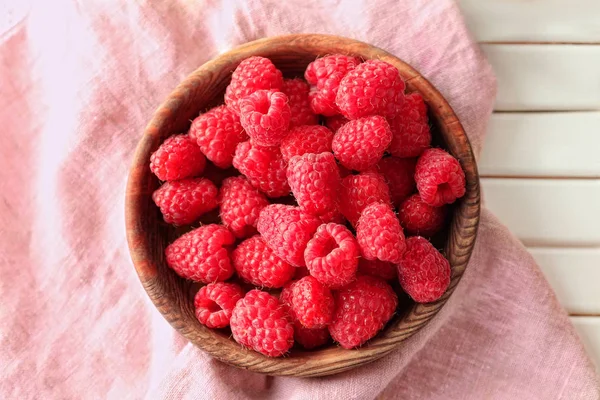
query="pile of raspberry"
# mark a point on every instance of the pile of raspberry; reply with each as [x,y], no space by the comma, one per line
[310,204]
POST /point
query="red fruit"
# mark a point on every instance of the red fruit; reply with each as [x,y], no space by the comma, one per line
[265,115]
[360,144]
[333,215]
[410,130]
[399,173]
[440,178]
[423,272]
[358,191]
[311,302]
[256,263]
[202,254]
[362,309]
[310,338]
[372,88]
[379,234]
[261,323]
[377,268]
[335,122]
[419,218]
[287,230]
[183,202]
[214,303]
[332,255]
[297,92]
[241,204]
[218,132]
[178,157]
[306,139]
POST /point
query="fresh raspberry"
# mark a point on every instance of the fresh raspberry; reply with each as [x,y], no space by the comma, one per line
[424,273]
[335,122]
[297,92]
[214,303]
[178,157]
[362,309]
[399,173]
[332,255]
[310,302]
[261,323]
[372,88]
[218,132]
[333,215]
[410,130]
[256,263]
[358,191]
[306,139]
[240,205]
[315,182]
[325,74]
[440,178]
[309,338]
[377,268]
[264,167]
[360,144]
[379,234]
[254,73]
[183,202]
[202,254]
[265,115]
[287,230]
[419,218]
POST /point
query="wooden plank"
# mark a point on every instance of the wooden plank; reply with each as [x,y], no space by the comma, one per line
[542,144]
[588,329]
[547,212]
[546,77]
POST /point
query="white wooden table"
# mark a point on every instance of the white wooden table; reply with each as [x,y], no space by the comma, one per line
[540,166]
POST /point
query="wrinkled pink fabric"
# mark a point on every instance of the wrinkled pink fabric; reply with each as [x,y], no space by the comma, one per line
[79,81]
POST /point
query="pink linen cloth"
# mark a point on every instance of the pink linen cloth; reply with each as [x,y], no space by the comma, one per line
[79,81]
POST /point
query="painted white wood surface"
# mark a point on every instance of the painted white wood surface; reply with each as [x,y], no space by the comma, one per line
[588,329]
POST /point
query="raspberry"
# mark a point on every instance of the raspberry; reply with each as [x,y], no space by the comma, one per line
[297,92]
[332,255]
[265,115]
[372,88]
[377,268]
[214,303]
[306,139]
[360,144]
[254,73]
[287,230]
[419,218]
[325,75]
[358,191]
[315,182]
[310,301]
[399,173]
[264,167]
[178,157]
[440,178]
[423,272]
[183,202]
[362,309]
[256,263]
[309,338]
[379,234]
[218,132]
[202,254]
[335,122]
[240,205]
[410,130]
[333,215]
[261,323]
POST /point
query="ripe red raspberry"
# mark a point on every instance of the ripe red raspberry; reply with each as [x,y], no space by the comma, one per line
[264,167]
[297,92]
[362,309]
[214,303]
[372,88]
[332,255]
[287,230]
[325,74]
[256,263]
[306,139]
[309,338]
[333,215]
[335,122]
[419,218]
[410,130]
[265,115]
[261,323]
[178,157]
[377,268]
[358,191]
[310,302]
[424,273]
[399,173]
[202,254]
[240,205]
[183,202]
[440,178]
[360,144]
[315,182]
[379,234]
[218,132]
[254,73]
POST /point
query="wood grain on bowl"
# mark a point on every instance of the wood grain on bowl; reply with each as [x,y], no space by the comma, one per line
[148,235]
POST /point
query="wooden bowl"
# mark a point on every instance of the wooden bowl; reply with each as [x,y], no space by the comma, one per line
[148,235]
